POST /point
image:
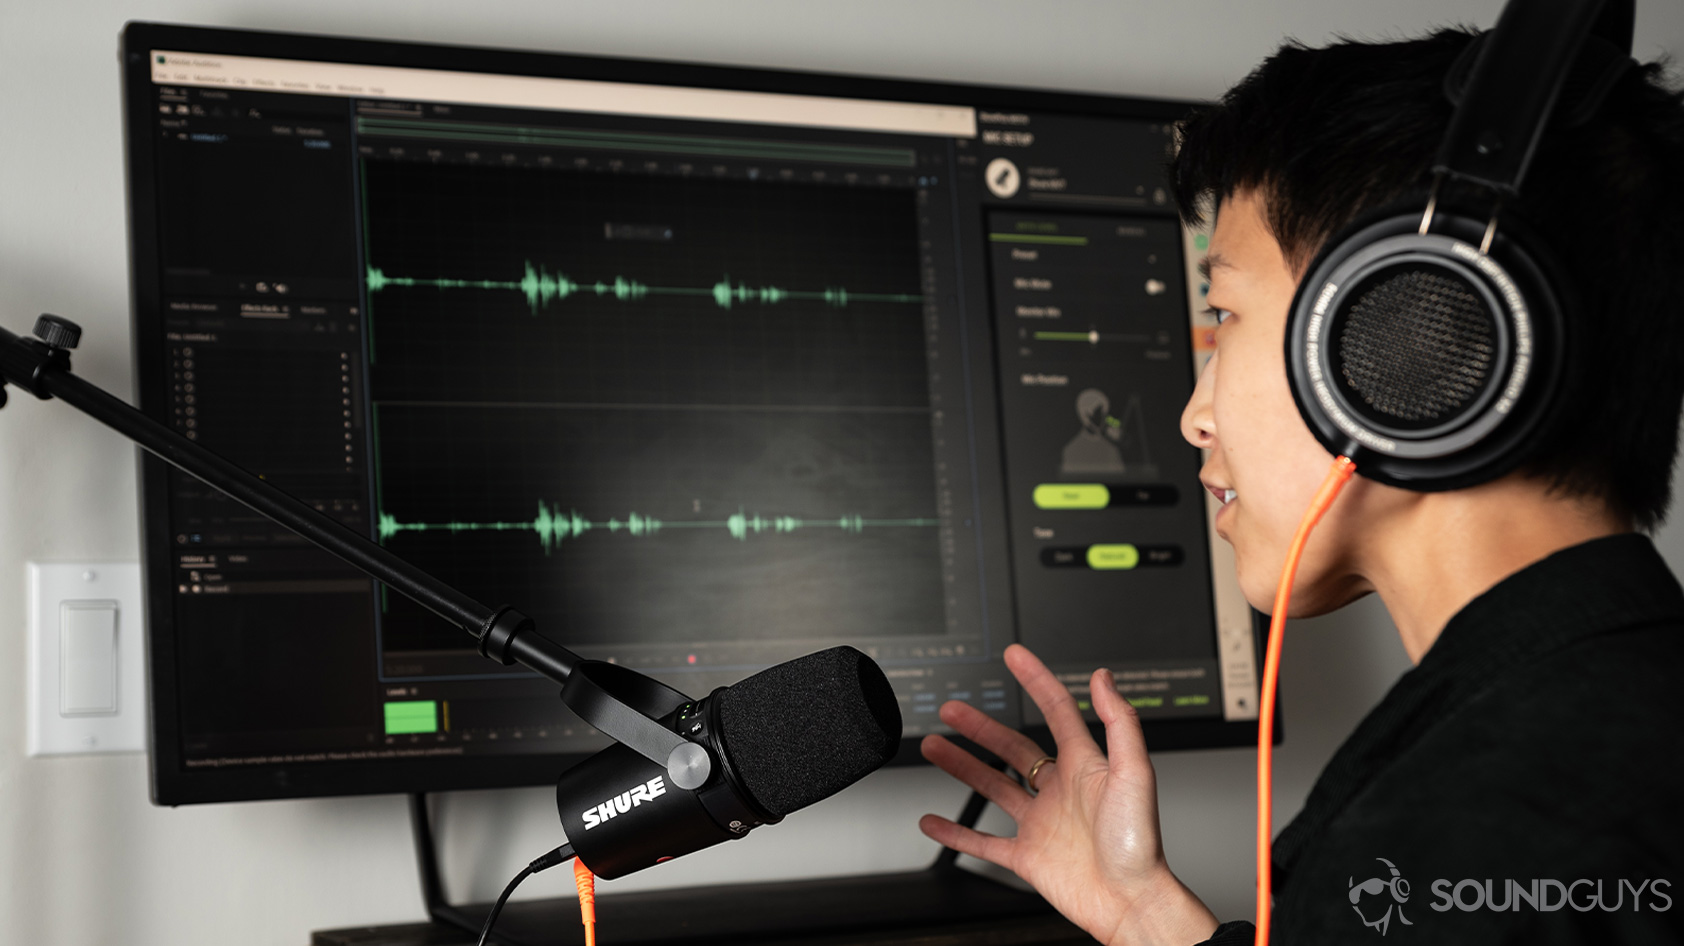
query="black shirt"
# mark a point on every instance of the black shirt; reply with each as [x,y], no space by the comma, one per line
[1534,759]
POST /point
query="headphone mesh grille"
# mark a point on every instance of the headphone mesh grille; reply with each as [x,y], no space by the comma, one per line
[1417,346]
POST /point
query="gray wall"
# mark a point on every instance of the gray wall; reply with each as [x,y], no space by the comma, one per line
[85,859]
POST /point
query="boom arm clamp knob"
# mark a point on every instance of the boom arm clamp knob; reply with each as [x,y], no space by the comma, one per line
[57,331]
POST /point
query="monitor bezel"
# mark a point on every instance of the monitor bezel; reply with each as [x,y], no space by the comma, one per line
[171,784]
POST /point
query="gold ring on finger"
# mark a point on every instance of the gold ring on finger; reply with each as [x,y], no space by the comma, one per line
[1034,770]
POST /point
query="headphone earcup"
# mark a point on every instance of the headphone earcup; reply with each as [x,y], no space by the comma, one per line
[1431,364]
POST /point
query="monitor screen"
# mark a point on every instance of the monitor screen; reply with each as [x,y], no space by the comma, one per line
[702,368]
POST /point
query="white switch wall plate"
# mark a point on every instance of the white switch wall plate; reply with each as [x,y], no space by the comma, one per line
[87,658]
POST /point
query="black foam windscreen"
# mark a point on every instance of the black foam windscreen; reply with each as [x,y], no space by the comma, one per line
[1417,346]
[804,730]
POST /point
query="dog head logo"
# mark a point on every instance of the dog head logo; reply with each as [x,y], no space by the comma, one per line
[1395,885]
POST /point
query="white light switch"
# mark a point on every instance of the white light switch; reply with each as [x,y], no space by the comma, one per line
[87,659]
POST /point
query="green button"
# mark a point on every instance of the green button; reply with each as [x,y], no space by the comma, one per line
[1072,496]
[412,716]
[1113,556]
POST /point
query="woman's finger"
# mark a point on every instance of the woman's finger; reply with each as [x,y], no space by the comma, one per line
[1069,730]
[993,849]
[1125,742]
[1019,751]
[989,782]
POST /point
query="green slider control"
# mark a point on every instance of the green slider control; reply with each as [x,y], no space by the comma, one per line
[1109,557]
[1072,496]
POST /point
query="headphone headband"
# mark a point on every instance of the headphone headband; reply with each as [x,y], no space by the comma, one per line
[1516,78]
[1433,345]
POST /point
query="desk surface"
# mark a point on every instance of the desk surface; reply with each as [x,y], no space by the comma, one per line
[1052,930]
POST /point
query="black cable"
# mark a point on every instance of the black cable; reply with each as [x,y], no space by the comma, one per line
[558,856]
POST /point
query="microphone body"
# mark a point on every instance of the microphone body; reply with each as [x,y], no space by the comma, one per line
[622,813]
[778,741]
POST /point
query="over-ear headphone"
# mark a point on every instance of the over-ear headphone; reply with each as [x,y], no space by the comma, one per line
[1430,344]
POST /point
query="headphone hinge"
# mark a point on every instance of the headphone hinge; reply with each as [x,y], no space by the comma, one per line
[1491,228]
[1432,204]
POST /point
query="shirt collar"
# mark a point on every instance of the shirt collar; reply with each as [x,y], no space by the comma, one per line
[1588,589]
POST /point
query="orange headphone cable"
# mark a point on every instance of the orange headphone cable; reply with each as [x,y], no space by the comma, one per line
[586,882]
[1342,469]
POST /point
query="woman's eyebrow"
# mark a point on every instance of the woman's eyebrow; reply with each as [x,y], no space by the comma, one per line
[1213,261]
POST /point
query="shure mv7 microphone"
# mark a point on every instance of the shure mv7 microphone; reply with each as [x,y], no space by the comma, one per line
[781,740]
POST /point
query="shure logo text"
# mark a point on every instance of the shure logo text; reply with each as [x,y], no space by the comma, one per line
[623,802]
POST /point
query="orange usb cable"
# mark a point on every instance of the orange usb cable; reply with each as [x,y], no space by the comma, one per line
[1343,467]
[586,883]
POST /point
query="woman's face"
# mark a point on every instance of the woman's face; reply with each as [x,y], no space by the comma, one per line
[1260,451]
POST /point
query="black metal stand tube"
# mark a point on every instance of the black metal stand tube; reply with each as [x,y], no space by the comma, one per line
[534,651]
[426,853]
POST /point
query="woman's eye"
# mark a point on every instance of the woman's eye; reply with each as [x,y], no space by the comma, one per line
[1220,315]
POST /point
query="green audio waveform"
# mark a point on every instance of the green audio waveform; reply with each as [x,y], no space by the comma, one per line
[542,287]
[552,526]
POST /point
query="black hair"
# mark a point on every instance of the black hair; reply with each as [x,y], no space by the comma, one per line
[1326,135]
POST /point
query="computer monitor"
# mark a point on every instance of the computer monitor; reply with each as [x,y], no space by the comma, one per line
[703,368]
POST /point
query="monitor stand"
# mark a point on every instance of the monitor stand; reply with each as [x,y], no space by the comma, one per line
[939,896]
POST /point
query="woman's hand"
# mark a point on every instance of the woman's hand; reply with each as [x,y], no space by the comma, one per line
[1088,840]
